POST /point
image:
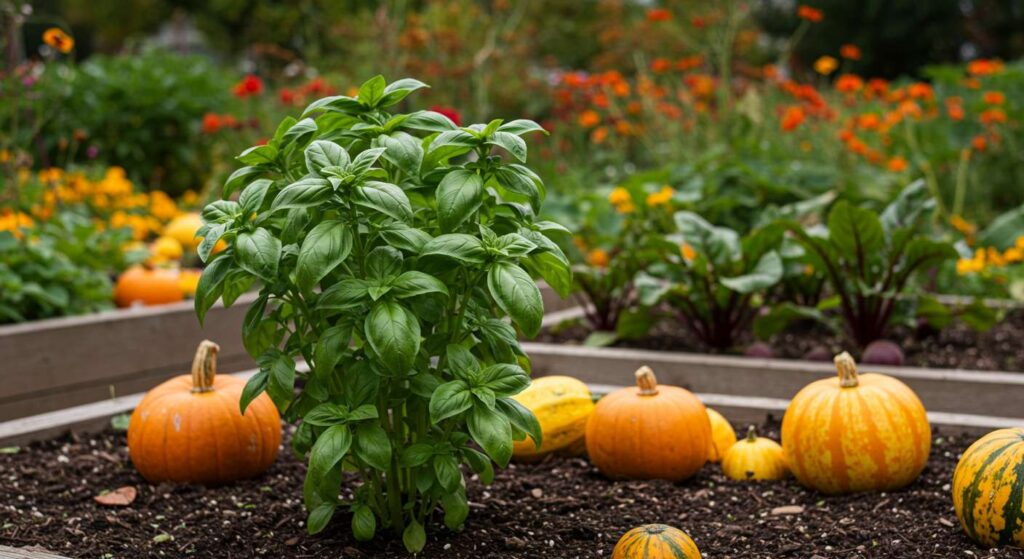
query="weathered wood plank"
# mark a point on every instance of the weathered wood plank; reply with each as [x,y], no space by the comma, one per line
[26,553]
[947,391]
[53,364]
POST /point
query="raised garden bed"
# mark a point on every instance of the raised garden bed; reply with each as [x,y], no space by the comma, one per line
[558,508]
[55,364]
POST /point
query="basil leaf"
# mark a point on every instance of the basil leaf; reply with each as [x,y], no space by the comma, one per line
[517,294]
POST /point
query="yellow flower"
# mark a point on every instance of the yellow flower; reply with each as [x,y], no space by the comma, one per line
[622,200]
[962,225]
[688,252]
[826,65]
[58,40]
[1020,242]
[1013,255]
[661,197]
[165,249]
[598,258]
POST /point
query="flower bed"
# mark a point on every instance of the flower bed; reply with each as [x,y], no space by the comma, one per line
[560,507]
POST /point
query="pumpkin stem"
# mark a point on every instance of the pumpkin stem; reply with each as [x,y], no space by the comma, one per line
[847,369]
[646,381]
[204,366]
[752,434]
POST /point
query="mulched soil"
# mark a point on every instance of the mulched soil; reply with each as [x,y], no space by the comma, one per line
[955,347]
[560,508]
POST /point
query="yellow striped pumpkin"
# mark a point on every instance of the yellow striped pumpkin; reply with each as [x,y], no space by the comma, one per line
[754,458]
[855,432]
[562,405]
[988,489]
[722,436]
[655,541]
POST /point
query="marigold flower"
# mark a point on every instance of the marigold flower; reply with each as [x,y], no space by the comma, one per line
[825,65]
[979,143]
[589,119]
[897,164]
[689,62]
[57,39]
[621,199]
[868,121]
[598,258]
[850,51]
[810,14]
[599,135]
[984,67]
[921,90]
[689,254]
[954,108]
[876,87]
[661,197]
[658,14]
[962,225]
[661,65]
[211,123]
[966,266]
[770,71]
[992,116]
[792,118]
[994,97]
[849,83]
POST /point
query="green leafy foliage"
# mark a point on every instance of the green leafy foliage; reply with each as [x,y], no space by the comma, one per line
[390,249]
[869,261]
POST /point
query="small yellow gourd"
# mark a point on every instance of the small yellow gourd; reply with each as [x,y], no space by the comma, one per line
[754,458]
[722,436]
[562,406]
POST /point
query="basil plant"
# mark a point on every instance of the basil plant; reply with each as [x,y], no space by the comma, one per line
[396,256]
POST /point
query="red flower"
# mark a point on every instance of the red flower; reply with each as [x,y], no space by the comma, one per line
[286,96]
[250,85]
[658,14]
[448,112]
[211,123]
[812,15]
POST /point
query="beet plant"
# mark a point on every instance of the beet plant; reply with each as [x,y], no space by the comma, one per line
[391,250]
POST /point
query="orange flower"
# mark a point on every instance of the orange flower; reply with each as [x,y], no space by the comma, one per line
[689,62]
[598,258]
[58,40]
[658,14]
[978,143]
[921,90]
[792,118]
[868,121]
[589,119]
[849,83]
[825,65]
[954,108]
[211,123]
[897,164]
[662,197]
[770,71]
[812,15]
[661,65]
[850,52]
[972,83]
[687,251]
[599,135]
[984,67]
[992,116]
[623,127]
[994,97]
[877,87]
[621,89]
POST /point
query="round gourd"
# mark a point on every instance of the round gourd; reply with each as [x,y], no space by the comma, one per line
[655,541]
[561,405]
[190,429]
[183,229]
[855,433]
[988,489]
[649,432]
[722,436]
[148,286]
[754,458]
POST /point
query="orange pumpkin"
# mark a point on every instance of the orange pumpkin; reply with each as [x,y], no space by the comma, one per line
[856,432]
[649,432]
[148,286]
[722,436]
[655,541]
[190,429]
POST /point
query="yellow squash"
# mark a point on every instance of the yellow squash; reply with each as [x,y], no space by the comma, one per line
[722,436]
[855,432]
[754,458]
[655,541]
[988,489]
[562,405]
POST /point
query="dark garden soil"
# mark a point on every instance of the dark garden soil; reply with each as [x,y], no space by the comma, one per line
[955,347]
[560,508]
